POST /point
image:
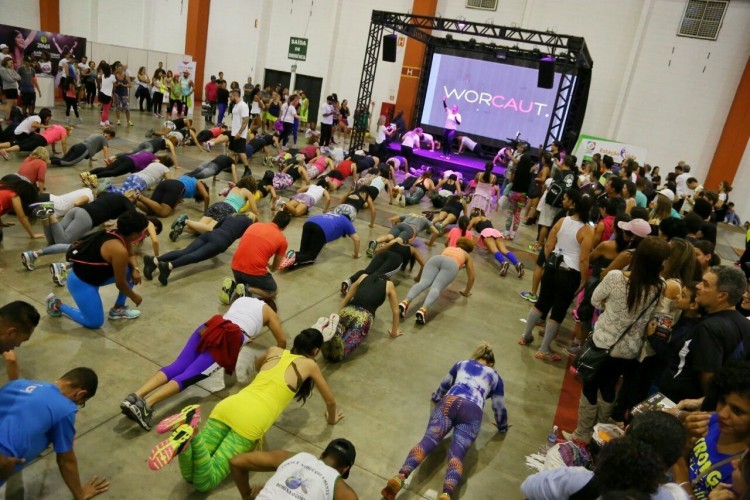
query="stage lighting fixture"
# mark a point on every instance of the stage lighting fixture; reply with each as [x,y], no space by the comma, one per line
[501,54]
[472,42]
[449,37]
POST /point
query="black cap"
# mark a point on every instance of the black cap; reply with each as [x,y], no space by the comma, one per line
[344,449]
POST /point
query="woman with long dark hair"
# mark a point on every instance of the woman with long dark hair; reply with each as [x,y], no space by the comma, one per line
[238,422]
[566,271]
[16,195]
[628,299]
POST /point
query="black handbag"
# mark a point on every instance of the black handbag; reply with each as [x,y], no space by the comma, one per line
[590,360]
[553,261]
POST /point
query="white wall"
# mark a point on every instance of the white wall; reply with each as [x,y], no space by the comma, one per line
[142,24]
[24,14]
[677,110]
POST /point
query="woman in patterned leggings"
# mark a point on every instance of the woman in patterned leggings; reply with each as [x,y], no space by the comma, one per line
[238,422]
[459,402]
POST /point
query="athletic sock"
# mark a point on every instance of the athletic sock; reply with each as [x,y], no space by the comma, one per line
[499,257]
[512,258]
[550,330]
[531,321]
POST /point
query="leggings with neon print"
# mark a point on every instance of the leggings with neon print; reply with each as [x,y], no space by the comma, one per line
[452,412]
[205,463]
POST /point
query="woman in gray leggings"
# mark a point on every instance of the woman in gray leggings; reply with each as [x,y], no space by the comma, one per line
[437,274]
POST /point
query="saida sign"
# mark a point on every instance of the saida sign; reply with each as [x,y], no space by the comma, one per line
[298,48]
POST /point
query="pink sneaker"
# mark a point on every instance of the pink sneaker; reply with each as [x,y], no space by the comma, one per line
[190,415]
[164,452]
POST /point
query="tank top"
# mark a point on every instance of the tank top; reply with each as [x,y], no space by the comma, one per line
[356,201]
[236,201]
[457,254]
[320,164]
[379,183]
[567,243]
[88,263]
[247,313]
[253,410]
[305,472]
[345,167]
[314,191]
[482,225]
[370,293]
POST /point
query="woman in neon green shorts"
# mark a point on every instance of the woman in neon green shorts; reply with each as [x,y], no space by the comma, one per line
[238,422]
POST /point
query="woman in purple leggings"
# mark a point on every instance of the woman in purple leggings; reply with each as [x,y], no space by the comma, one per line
[204,353]
[459,403]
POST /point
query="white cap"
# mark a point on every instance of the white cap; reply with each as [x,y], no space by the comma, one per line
[3,46]
[668,193]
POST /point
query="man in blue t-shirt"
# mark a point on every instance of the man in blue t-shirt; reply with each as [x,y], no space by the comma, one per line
[34,415]
[316,232]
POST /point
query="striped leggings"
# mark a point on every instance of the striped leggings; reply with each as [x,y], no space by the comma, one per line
[465,418]
[205,462]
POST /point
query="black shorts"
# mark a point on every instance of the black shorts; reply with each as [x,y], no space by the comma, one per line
[169,192]
[262,282]
[31,142]
[11,93]
[237,145]
[204,135]
[28,98]
[104,98]
[540,258]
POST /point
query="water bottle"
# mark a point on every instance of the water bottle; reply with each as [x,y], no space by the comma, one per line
[551,441]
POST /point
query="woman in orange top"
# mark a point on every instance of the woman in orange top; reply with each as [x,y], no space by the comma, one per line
[438,273]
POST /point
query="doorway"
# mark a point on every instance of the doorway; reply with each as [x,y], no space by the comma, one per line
[310,84]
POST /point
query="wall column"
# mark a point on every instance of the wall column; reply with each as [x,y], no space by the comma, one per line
[411,70]
[734,136]
[196,37]
[49,15]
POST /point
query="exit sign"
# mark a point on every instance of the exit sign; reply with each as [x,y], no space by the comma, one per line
[298,48]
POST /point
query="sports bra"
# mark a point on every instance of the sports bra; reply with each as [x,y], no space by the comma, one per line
[483,224]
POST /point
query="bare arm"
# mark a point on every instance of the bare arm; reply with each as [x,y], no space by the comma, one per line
[333,415]
[68,465]
[274,325]
[549,247]
[154,238]
[120,262]
[22,218]
[172,152]
[261,461]
[470,276]
[328,201]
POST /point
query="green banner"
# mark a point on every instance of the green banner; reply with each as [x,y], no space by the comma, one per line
[298,48]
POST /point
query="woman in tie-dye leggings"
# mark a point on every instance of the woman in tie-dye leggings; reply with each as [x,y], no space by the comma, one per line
[460,400]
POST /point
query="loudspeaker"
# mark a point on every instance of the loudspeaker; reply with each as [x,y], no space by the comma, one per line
[546,77]
[389,48]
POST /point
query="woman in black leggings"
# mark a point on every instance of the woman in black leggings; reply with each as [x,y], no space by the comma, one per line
[387,261]
[212,168]
[204,247]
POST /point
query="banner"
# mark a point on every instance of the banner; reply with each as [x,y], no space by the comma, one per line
[23,42]
[588,145]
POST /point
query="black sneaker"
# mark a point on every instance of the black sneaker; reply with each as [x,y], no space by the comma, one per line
[138,411]
[164,272]
[247,172]
[130,400]
[148,267]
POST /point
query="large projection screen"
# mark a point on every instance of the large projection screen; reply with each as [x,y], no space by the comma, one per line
[496,100]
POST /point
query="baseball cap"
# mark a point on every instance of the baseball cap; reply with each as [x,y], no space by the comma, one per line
[668,193]
[345,450]
[3,46]
[638,227]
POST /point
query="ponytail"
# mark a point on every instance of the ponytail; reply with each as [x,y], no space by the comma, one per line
[484,352]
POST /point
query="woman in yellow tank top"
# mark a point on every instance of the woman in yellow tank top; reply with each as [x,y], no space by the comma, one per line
[238,422]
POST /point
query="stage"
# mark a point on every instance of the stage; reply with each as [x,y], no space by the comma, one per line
[468,163]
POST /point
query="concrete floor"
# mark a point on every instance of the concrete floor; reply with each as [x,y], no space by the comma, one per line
[383,389]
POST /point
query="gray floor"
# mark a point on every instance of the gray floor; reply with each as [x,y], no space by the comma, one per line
[383,389]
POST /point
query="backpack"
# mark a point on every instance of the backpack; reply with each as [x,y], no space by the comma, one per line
[78,250]
[557,188]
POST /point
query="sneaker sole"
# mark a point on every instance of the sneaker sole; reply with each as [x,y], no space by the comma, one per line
[227,290]
[27,263]
[164,452]
[57,280]
[187,415]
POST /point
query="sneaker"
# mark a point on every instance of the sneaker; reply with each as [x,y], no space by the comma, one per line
[228,287]
[279,204]
[288,260]
[177,227]
[401,200]
[207,146]
[224,192]
[163,453]
[240,291]
[164,272]
[102,125]
[149,133]
[403,306]
[531,297]
[504,268]
[371,248]
[28,258]
[139,412]
[123,312]
[190,415]
[421,316]
[42,210]
[331,328]
[520,270]
[130,124]
[345,286]
[547,356]
[118,122]
[392,488]
[53,305]
[130,399]
[148,267]
[91,181]
[59,273]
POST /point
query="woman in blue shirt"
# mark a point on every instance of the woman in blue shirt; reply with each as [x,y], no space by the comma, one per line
[459,403]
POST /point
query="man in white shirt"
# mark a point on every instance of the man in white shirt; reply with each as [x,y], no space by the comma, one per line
[465,142]
[240,120]
[681,181]
[296,473]
[326,122]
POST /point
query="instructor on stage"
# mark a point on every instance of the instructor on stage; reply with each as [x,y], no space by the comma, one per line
[452,121]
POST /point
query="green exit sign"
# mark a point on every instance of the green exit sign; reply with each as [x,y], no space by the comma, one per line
[298,48]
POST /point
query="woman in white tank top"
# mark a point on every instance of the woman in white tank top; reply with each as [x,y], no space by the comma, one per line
[307,197]
[566,271]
